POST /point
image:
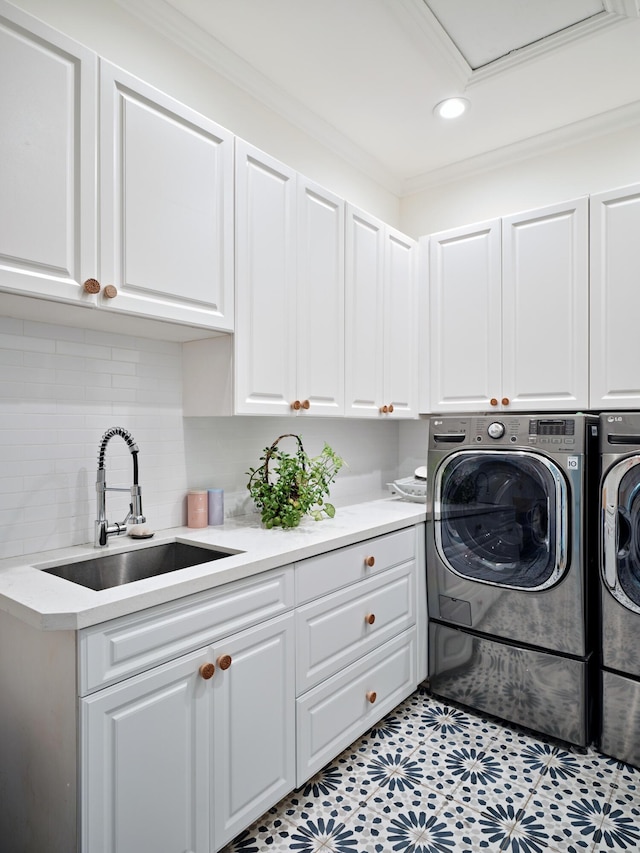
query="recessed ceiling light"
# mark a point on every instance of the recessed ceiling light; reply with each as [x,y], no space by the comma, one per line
[451,107]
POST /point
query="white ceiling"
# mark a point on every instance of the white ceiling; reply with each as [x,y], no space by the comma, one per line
[363,76]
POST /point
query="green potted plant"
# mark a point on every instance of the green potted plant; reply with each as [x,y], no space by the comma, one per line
[288,486]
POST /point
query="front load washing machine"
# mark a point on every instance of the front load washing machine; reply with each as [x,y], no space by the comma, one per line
[620,584]
[508,564]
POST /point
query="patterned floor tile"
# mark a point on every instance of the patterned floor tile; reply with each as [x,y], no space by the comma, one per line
[435,777]
[418,798]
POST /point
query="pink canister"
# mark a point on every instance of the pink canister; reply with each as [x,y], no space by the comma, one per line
[197,508]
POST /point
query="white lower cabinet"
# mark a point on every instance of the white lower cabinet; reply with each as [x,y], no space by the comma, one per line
[176,759]
[356,655]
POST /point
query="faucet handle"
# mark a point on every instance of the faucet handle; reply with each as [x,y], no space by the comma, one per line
[135,507]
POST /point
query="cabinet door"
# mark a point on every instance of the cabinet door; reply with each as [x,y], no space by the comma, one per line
[47,160]
[146,756]
[254,730]
[466,322]
[545,308]
[167,206]
[400,313]
[265,299]
[320,300]
[363,314]
[615,299]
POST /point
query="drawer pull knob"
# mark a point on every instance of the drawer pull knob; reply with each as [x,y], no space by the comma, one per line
[296,405]
[372,696]
[111,291]
[384,409]
[390,408]
[370,561]
[224,661]
[505,401]
[91,285]
[493,401]
[306,404]
[370,618]
[207,670]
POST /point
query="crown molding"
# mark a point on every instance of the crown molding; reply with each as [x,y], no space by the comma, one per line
[169,22]
[611,121]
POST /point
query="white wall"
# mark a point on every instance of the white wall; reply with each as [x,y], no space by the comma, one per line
[106,28]
[61,388]
[597,164]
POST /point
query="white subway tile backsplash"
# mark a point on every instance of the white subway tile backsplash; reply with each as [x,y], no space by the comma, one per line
[59,394]
[24,343]
[11,326]
[83,349]
[32,329]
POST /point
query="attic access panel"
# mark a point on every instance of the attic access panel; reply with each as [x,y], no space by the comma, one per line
[489,30]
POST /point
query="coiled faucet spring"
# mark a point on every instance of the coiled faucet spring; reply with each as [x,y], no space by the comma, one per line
[134,516]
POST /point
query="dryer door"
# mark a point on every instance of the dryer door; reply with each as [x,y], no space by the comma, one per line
[621,532]
[501,518]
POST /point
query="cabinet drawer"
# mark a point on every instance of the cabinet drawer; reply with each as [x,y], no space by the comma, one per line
[123,647]
[334,714]
[337,629]
[319,575]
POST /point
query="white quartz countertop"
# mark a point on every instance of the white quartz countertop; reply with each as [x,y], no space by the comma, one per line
[51,603]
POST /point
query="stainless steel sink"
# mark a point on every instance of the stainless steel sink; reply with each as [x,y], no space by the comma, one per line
[110,570]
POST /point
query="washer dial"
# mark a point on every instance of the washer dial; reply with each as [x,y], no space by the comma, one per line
[495,430]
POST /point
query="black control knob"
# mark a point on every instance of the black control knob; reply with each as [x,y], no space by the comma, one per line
[495,430]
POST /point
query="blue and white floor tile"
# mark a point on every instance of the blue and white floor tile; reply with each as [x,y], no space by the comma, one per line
[434,777]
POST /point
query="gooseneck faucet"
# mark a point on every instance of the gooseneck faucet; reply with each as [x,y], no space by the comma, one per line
[134,516]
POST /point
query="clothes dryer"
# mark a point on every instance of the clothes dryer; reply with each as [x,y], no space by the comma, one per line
[620,585]
[507,567]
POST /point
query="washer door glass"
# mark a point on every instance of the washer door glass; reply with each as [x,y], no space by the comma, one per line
[501,518]
[621,517]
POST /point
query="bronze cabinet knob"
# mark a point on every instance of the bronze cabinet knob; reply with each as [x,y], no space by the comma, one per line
[91,285]
[207,670]
[370,618]
[224,661]
[493,401]
[372,696]
[370,561]
[111,291]
[505,401]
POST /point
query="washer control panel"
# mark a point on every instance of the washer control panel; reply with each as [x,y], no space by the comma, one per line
[559,433]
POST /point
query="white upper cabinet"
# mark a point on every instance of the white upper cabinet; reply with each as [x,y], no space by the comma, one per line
[510,313]
[265,351]
[47,160]
[466,318]
[163,198]
[320,301]
[166,206]
[545,308]
[400,331]
[290,291]
[615,299]
[380,318]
